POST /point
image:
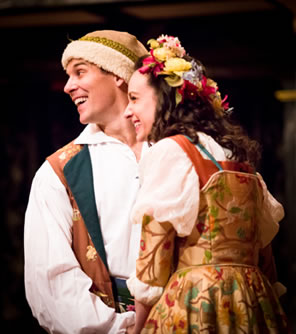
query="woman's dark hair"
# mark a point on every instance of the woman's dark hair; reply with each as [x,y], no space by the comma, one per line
[191,116]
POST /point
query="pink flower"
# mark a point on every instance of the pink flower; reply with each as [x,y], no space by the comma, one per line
[130,307]
[225,104]
[206,90]
[145,69]
[150,64]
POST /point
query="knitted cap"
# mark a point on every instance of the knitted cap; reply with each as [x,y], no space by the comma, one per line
[113,51]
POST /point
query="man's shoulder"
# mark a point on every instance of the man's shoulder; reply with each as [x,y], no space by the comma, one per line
[59,159]
[66,152]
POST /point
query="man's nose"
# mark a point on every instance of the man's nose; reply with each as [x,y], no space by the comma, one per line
[70,86]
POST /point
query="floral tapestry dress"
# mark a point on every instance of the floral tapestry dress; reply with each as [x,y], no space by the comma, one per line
[198,264]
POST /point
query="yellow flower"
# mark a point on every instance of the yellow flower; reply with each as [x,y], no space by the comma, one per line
[229,317]
[177,65]
[153,43]
[91,254]
[178,323]
[212,83]
[162,54]
[217,105]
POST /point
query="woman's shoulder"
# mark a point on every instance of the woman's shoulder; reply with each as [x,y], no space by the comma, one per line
[165,144]
[165,151]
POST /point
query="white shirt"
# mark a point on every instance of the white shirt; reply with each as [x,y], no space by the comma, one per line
[57,289]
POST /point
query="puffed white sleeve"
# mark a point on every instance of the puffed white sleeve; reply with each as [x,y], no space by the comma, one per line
[57,290]
[169,193]
[272,212]
[169,187]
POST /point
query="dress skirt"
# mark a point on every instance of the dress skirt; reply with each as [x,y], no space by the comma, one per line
[217,299]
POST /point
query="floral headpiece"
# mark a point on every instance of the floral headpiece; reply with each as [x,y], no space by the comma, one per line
[167,58]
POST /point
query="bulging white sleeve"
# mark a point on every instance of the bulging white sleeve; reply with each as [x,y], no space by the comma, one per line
[272,212]
[169,193]
[169,187]
[57,290]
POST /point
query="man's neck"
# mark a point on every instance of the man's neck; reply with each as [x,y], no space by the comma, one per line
[124,131]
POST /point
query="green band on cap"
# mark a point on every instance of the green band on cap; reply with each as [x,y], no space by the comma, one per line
[111,44]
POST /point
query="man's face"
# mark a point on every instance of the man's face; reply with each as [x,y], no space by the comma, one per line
[92,90]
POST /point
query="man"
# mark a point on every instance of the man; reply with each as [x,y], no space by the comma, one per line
[79,244]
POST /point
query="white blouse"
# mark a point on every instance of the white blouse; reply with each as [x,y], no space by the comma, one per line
[167,194]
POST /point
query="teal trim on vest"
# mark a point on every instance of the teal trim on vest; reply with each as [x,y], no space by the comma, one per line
[78,173]
[203,149]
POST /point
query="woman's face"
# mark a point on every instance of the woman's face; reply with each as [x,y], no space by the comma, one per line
[142,104]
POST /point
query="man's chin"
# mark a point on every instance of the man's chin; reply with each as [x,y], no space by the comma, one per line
[83,120]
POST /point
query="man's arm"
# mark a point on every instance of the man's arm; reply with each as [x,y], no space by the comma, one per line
[57,289]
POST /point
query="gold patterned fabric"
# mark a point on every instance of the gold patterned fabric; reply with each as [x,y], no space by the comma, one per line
[217,286]
[211,279]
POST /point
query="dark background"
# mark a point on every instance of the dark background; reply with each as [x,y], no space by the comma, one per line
[248,47]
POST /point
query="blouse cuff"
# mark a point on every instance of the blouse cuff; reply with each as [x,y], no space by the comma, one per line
[279,288]
[271,213]
[143,292]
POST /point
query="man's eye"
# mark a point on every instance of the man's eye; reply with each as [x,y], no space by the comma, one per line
[80,72]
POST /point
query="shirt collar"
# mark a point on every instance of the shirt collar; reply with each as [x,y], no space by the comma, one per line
[92,134]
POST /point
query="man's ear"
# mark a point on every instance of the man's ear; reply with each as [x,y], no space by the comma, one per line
[119,81]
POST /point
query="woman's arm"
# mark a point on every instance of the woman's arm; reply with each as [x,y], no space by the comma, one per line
[142,311]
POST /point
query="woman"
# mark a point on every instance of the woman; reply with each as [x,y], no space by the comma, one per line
[205,212]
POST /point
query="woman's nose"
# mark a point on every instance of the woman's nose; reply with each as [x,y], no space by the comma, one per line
[127,113]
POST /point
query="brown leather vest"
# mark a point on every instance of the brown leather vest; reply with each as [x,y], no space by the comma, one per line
[82,244]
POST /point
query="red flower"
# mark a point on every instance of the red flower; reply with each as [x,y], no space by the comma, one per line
[219,274]
[188,91]
[226,305]
[169,302]
[153,323]
[242,179]
[174,284]
[167,244]
[142,245]
[182,324]
[201,227]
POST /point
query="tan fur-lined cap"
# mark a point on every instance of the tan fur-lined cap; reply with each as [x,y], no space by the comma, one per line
[113,51]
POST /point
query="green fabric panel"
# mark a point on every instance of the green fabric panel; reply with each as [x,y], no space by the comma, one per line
[78,173]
